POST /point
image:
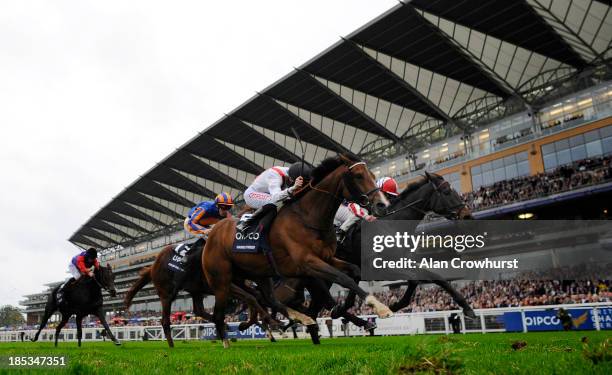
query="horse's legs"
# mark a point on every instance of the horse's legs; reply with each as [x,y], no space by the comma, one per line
[252,302]
[198,307]
[219,279]
[316,267]
[407,297]
[79,324]
[60,326]
[340,310]
[49,310]
[100,315]
[165,321]
[457,297]
[267,292]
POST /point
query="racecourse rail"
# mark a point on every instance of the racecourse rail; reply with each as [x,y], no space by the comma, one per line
[586,316]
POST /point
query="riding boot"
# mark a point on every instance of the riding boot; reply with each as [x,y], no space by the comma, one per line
[244,224]
[197,244]
[340,235]
[267,218]
[260,213]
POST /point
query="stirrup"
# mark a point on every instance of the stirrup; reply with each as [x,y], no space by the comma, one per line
[340,236]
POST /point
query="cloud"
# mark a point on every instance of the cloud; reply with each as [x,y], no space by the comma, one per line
[95,93]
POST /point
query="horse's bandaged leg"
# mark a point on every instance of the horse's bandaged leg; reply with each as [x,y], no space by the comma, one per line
[381,309]
[226,344]
[302,318]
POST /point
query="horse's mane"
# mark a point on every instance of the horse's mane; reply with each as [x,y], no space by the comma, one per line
[329,165]
[414,185]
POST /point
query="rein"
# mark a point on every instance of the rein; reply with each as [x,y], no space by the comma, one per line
[409,205]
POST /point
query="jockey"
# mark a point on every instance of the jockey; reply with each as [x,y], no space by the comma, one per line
[83,263]
[271,187]
[350,213]
[201,217]
[80,265]
[347,215]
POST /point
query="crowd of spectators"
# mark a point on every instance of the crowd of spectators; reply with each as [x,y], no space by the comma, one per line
[567,118]
[568,177]
[511,137]
[454,155]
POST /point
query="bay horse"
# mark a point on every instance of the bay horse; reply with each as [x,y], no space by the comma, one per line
[193,283]
[81,299]
[302,239]
[429,193]
[412,204]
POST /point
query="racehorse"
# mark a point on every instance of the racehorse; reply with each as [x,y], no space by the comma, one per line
[426,194]
[302,239]
[412,204]
[81,299]
[194,283]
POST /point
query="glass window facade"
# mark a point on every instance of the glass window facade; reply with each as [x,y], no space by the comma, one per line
[505,168]
[566,151]
[454,180]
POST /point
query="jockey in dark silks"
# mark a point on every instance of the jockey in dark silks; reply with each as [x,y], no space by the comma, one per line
[80,265]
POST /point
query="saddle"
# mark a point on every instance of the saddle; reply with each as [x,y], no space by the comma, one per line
[252,233]
[178,259]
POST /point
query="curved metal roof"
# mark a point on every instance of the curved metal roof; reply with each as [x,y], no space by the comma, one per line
[423,69]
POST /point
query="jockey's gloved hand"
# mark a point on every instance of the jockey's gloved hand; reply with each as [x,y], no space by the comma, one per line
[298,183]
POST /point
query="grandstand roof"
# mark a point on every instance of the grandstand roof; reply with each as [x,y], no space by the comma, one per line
[421,71]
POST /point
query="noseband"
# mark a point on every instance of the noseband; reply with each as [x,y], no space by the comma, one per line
[412,205]
[356,196]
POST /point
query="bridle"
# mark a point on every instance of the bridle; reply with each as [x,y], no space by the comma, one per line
[453,212]
[356,196]
[95,279]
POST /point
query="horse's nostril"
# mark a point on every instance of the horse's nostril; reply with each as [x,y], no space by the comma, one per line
[380,208]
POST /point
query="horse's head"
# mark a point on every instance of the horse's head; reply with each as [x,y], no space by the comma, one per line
[359,186]
[106,279]
[444,200]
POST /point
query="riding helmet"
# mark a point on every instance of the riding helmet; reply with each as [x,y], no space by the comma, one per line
[299,169]
[388,186]
[224,199]
[91,253]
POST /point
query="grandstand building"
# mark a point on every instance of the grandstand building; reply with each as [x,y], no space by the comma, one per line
[480,92]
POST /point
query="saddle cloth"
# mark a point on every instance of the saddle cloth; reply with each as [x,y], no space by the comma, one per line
[250,240]
[178,259]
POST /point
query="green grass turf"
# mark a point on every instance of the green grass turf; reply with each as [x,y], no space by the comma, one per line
[545,353]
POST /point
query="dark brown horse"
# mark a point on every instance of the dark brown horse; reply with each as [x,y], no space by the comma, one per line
[82,299]
[302,239]
[194,282]
[429,193]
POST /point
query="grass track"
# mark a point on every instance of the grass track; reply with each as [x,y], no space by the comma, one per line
[545,353]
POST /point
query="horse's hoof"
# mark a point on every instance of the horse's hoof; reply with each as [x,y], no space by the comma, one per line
[302,318]
[226,344]
[370,326]
[243,326]
[117,343]
[381,310]
[469,313]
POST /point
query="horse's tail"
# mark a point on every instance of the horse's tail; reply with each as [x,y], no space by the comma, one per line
[145,278]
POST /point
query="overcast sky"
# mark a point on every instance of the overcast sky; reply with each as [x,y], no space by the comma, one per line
[93,94]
